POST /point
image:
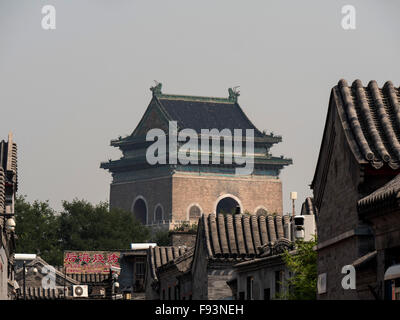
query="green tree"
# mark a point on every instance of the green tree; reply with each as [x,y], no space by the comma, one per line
[302,284]
[162,238]
[80,226]
[84,226]
[37,229]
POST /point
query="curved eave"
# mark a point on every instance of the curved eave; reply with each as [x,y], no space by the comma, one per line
[130,142]
[142,163]
[376,205]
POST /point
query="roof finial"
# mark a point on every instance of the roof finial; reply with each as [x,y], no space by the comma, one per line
[234,93]
[156,89]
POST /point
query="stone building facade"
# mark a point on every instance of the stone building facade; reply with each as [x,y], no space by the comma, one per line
[168,194]
[381,210]
[8,189]
[359,153]
[262,278]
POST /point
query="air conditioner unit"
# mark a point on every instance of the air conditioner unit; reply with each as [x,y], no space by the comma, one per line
[80,291]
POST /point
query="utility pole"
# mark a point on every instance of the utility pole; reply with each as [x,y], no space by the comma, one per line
[293,197]
[23,277]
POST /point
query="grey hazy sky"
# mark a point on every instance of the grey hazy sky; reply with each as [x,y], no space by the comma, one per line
[66,93]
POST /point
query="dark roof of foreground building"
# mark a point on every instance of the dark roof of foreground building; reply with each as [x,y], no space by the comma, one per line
[242,236]
[308,207]
[385,195]
[371,119]
[162,256]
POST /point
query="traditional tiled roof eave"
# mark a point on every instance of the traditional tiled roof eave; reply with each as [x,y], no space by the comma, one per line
[259,263]
[234,238]
[135,142]
[161,258]
[370,119]
[373,116]
[59,270]
[177,262]
[141,162]
[386,197]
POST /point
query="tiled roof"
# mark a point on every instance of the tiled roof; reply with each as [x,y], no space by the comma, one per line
[382,195]
[197,115]
[2,190]
[89,278]
[33,293]
[40,263]
[83,278]
[371,119]
[308,207]
[161,256]
[243,236]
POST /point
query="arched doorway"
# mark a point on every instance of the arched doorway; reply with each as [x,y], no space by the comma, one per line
[159,213]
[140,210]
[228,205]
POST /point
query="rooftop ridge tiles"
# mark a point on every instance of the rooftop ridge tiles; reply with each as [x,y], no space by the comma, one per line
[194,98]
[373,116]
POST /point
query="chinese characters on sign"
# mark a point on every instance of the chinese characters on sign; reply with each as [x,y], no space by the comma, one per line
[90,261]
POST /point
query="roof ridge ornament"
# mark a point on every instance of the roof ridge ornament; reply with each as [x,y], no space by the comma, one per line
[156,89]
[234,93]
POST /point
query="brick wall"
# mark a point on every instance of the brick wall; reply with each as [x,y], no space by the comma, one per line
[217,283]
[155,190]
[336,198]
[183,238]
[3,275]
[205,191]
[177,193]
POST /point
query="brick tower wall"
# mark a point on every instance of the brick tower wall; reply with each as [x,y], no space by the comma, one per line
[188,189]
[154,190]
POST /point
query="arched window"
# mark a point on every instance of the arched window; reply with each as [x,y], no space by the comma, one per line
[228,205]
[158,213]
[261,212]
[194,212]
[140,209]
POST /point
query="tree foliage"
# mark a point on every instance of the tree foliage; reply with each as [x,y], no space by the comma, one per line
[162,238]
[80,226]
[37,229]
[84,226]
[302,285]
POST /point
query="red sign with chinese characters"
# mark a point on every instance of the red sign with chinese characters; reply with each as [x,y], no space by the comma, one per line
[89,262]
